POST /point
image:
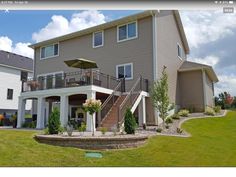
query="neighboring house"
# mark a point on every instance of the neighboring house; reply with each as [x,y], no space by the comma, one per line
[13,69]
[130,47]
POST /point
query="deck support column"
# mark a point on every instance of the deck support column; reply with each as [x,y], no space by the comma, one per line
[40,113]
[21,112]
[142,111]
[91,120]
[64,104]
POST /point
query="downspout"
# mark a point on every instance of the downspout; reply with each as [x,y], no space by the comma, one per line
[204,88]
[154,54]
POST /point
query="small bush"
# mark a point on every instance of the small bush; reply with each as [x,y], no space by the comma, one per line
[54,121]
[29,124]
[169,120]
[179,130]
[159,130]
[114,130]
[175,116]
[82,127]
[46,131]
[183,113]
[217,109]
[209,111]
[103,130]
[130,123]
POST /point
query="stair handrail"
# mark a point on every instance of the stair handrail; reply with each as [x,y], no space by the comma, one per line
[120,114]
[111,96]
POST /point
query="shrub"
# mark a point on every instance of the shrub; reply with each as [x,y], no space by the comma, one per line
[179,130]
[209,111]
[82,127]
[175,116]
[69,129]
[29,124]
[54,121]
[114,130]
[159,130]
[217,109]
[46,131]
[103,130]
[130,123]
[183,113]
[167,126]
[169,120]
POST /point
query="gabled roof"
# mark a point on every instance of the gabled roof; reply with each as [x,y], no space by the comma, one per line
[16,61]
[191,66]
[116,23]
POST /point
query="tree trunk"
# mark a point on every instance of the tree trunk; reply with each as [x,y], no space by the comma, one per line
[92,125]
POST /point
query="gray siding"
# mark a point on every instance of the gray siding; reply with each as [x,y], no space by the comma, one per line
[167,54]
[137,51]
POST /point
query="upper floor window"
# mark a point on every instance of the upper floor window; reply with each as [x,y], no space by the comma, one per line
[124,71]
[98,39]
[49,51]
[180,51]
[127,31]
[9,94]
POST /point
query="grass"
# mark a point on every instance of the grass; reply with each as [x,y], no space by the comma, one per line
[212,144]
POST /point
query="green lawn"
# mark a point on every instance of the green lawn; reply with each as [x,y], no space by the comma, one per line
[213,143]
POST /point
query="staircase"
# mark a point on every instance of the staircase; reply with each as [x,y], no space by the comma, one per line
[113,109]
[110,119]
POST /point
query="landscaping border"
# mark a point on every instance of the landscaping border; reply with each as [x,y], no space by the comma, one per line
[94,143]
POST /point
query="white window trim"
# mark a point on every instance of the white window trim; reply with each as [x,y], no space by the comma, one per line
[54,79]
[93,41]
[181,52]
[125,64]
[127,39]
[50,56]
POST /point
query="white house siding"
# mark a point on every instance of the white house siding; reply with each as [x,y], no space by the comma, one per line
[10,78]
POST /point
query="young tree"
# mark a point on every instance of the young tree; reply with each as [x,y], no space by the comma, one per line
[54,121]
[160,96]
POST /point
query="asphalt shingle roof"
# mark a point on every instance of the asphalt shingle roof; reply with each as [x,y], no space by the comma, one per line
[15,60]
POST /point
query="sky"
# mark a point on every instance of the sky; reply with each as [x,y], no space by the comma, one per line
[211,35]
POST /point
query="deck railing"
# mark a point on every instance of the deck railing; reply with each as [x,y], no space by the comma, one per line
[71,79]
[140,85]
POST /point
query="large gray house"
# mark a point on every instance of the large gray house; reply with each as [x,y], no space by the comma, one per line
[136,48]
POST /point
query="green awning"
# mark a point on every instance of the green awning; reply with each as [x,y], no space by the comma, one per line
[81,63]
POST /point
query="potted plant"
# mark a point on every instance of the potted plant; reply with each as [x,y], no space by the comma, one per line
[92,106]
[33,85]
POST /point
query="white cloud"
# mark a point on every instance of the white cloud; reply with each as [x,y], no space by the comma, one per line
[59,25]
[20,48]
[208,60]
[226,83]
[202,27]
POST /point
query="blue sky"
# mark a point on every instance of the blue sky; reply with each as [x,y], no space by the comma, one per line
[19,25]
[211,35]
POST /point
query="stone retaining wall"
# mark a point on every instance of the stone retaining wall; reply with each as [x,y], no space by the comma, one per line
[95,143]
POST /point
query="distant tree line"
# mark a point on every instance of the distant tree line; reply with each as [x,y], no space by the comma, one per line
[225,100]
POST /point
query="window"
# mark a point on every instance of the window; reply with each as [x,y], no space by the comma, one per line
[125,70]
[180,51]
[9,94]
[49,51]
[127,31]
[98,39]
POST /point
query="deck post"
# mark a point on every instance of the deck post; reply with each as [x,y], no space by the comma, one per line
[64,104]
[21,112]
[142,111]
[91,120]
[40,113]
